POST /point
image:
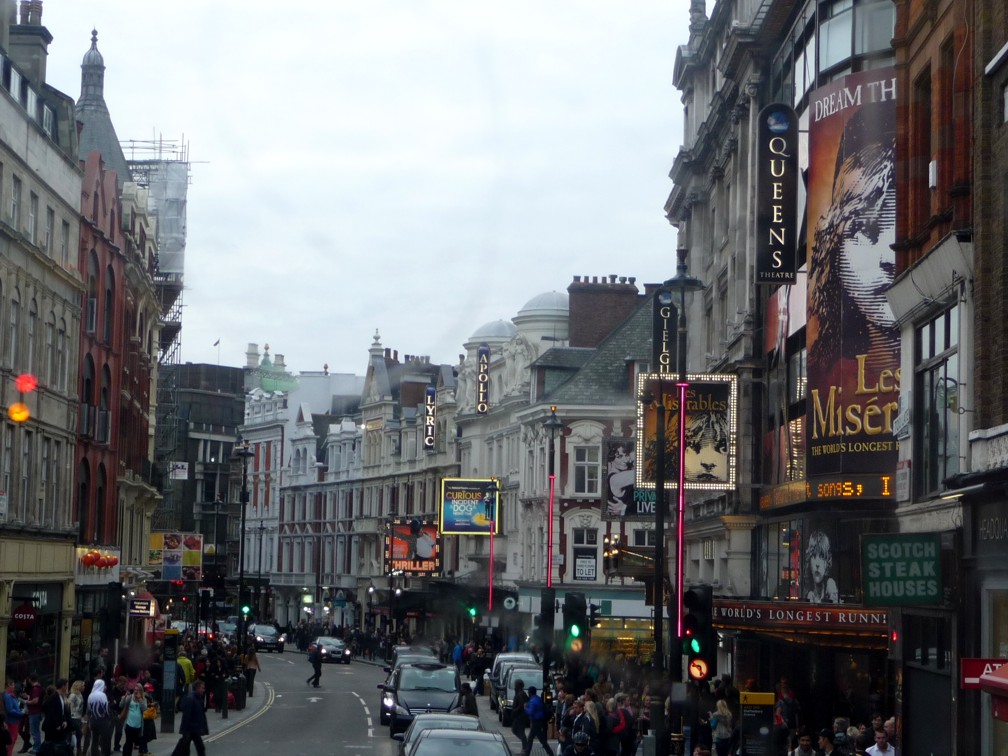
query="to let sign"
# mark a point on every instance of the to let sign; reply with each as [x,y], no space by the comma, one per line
[901,569]
[971,669]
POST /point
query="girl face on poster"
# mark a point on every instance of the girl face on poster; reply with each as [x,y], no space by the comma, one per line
[820,563]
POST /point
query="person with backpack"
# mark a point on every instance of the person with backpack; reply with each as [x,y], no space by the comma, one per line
[315,659]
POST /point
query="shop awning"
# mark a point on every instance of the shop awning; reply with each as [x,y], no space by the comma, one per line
[996,683]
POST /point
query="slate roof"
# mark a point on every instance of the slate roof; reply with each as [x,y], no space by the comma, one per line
[604,378]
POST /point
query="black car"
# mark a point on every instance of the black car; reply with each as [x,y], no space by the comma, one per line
[416,688]
[332,649]
[267,638]
[461,742]
[434,720]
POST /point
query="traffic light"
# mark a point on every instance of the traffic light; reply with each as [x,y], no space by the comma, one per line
[699,638]
[472,611]
[26,383]
[245,610]
[542,623]
[574,611]
[594,615]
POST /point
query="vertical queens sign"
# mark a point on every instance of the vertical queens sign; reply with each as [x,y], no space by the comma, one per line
[777,195]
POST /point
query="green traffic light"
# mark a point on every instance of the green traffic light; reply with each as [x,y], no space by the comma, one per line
[472,611]
[575,631]
[245,610]
[695,645]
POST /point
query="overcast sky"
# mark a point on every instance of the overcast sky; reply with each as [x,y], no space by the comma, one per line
[414,167]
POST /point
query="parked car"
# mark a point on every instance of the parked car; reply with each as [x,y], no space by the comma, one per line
[434,720]
[416,688]
[459,743]
[528,675]
[501,663]
[267,638]
[332,649]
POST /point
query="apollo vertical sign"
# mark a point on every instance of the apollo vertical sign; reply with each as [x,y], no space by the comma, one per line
[776,195]
[430,418]
[483,379]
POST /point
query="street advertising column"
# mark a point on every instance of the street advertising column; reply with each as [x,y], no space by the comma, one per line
[852,337]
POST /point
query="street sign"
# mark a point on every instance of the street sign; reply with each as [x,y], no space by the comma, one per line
[971,669]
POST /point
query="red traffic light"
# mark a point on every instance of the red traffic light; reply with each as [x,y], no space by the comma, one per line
[26,383]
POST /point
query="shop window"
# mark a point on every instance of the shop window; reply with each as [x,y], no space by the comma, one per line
[585,537]
[936,425]
[643,537]
[586,470]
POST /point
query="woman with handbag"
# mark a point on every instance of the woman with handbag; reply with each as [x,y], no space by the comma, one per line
[133,709]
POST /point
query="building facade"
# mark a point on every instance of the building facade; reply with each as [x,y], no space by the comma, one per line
[40,320]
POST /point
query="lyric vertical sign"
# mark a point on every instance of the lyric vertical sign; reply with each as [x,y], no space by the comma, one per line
[483,379]
[777,195]
[430,418]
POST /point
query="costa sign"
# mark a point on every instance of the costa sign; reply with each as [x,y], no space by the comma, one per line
[24,617]
[777,195]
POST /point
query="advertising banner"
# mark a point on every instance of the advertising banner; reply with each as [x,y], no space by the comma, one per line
[664,331]
[178,555]
[901,569]
[852,337]
[469,506]
[430,418]
[483,379]
[413,548]
[776,195]
[711,409]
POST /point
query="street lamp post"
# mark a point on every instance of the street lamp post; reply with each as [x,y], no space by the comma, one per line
[683,284]
[242,452]
[260,593]
[217,504]
[547,596]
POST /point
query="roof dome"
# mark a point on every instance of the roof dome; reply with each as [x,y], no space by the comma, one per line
[92,57]
[497,329]
[550,301]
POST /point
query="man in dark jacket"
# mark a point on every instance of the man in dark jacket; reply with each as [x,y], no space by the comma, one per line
[194,722]
[56,716]
[315,658]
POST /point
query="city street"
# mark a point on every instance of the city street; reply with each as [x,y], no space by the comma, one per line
[287,716]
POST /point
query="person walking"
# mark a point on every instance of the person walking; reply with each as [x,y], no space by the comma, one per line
[536,710]
[12,714]
[35,691]
[56,715]
[315,658]
[135,705]
[194,722]
[251,667]
[99,717]
[519,719]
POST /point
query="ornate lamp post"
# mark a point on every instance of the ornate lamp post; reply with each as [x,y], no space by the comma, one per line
[260,593]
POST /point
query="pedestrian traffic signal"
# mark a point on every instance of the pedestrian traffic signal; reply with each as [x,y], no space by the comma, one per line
[574,614]
[18,411]
[699,638]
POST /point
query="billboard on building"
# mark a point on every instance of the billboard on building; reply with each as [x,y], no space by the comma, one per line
[413,548]
[469,506]
[852,338]
[711,414]
[179,556]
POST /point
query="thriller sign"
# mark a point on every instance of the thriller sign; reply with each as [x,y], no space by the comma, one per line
[413,548]
[777,195]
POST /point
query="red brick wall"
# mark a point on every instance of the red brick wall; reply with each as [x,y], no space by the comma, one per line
[597,306]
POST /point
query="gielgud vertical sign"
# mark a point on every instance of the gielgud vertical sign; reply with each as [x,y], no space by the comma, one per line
[852,337]
[777,195]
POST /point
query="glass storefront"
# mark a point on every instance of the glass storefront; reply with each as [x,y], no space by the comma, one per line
[33,648]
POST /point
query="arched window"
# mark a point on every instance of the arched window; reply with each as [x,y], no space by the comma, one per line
[61,355]
[50,350]
[87,399]
[108,318]
[13,358]
[83,498]
[100,534]
[104,414]
[30,344]
[91,307]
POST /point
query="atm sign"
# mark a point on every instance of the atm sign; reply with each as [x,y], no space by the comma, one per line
[971,669]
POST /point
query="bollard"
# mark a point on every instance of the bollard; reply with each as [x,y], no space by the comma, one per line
[223,691]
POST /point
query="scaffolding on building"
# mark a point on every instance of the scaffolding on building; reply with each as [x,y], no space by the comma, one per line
[162,167]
